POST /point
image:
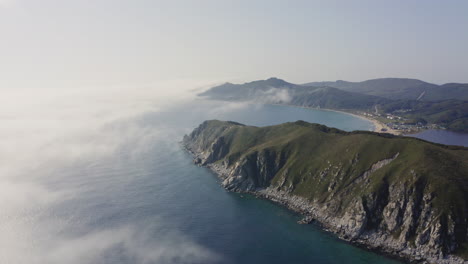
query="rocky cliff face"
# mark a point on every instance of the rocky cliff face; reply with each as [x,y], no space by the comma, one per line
[382,201]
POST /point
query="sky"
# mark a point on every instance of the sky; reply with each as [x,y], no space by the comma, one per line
[70,44]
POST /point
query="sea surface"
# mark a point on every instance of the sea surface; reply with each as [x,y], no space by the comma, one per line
[148,203]
[443,137]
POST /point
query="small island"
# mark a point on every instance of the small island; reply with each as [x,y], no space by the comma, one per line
[396,195]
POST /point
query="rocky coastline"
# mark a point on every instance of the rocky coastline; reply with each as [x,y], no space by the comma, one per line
[313,213]
[351,227]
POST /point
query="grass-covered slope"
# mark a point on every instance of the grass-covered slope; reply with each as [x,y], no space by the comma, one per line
[452,114]
[412,193]
[402,89]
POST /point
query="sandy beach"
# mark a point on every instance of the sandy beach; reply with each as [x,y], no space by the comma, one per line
[378,126]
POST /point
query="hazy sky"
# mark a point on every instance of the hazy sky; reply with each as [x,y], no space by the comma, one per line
[75,43]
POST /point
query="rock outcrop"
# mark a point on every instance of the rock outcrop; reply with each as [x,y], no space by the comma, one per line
[401,196]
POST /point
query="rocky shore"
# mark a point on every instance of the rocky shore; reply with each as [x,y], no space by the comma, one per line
[397,219]
[314,213]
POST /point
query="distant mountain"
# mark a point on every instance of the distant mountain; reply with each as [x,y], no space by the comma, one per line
[401,88]
[450,113]
[275,90]
[250,90]
[457,91]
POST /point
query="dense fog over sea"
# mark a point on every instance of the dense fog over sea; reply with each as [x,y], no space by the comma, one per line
[46,135]
[99,176]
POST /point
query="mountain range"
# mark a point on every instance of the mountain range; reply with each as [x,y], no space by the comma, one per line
[401,88]
[414,100]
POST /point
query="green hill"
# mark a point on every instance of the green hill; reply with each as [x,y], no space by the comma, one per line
[274,90]
[401,88]
[401,195]
[452,114]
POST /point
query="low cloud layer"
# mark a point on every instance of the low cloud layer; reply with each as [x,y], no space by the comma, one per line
[129,243]
[47,121]
[45,130]
[276,95]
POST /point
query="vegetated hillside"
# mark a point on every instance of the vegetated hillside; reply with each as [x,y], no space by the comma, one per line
[274,90]
[401,88]
[457,91]
[402,195]
[327,97]
[251,90]
[451,114]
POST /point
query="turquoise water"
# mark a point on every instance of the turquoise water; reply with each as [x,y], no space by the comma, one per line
[177,211]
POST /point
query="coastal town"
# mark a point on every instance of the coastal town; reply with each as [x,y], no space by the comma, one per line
[394,124]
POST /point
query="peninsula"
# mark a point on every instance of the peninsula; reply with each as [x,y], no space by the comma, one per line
[398,195]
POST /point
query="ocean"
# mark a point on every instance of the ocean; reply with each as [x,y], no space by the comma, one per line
[146,202]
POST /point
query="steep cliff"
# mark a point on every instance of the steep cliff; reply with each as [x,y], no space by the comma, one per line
[399,195]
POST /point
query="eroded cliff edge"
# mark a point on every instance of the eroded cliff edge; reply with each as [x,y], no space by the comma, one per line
[399,195]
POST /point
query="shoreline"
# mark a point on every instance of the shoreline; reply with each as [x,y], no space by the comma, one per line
[308,219]
[378,126]
[313,214]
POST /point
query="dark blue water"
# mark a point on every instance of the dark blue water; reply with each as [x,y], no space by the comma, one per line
[443,137]
[147,202]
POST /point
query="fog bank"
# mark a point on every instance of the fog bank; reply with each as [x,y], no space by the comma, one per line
[46,130]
